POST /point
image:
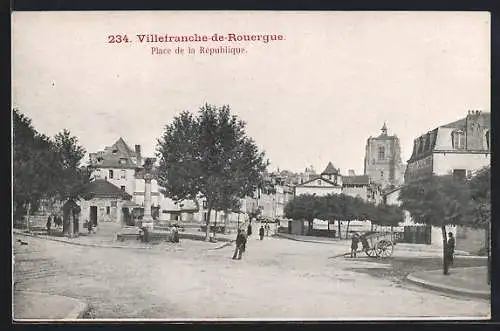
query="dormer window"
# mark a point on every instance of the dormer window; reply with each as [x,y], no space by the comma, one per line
[110,174]
[319,182]
[458,139]
[123,161]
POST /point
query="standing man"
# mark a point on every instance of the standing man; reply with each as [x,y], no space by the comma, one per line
[89,226]
[354,245]
[261,232]
[49,224]
[249,230]
[450,248]
[240,245]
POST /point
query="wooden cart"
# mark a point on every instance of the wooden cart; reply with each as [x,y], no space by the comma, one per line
[377,244]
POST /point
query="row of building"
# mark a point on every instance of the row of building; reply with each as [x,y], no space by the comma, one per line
[116,193]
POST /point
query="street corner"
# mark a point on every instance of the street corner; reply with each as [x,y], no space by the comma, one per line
[38,305]
[471,282]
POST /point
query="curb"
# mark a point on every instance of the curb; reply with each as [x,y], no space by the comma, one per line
[461,254]
[448,288]
[307,240]
[81,309]
[77,243]
[98,245]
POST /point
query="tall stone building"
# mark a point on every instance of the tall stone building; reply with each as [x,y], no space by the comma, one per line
[383,160]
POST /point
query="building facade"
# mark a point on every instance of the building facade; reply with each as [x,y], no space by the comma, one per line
[383,160]
[122,167]
[328,182]
[103,202]
[457,148]
[362,187]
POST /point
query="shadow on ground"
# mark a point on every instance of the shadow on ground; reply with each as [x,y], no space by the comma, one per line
[400,267]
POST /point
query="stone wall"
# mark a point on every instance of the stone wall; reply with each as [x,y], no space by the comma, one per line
[115,213]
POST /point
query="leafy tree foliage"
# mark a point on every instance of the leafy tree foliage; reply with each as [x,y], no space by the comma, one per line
[304,207]
[209,155]
[341,207]
[72,178]
[480,208]
[438,201]
[33,155]
[480,186]
[44,167]
[388,215]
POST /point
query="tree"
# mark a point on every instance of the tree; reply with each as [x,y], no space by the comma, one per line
[332,210]
[208,155]
[438,201]
[255,213]
[388,215]
[304,207]
[72,178]
[34,173]
[480,212]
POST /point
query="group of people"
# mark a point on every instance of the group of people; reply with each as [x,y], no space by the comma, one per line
[241,239]
[57,222]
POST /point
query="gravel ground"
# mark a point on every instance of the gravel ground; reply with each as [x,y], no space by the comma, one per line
[276,279]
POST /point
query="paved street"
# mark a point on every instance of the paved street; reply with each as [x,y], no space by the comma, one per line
[277,278]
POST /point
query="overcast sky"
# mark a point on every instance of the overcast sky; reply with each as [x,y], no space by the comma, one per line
[312,98]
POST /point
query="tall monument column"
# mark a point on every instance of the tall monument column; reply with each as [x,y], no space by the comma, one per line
[147,219]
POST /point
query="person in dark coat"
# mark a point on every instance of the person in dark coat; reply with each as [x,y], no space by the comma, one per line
[57,221]
[354,244]
[49,224]
[450,248]
[241,241]
[89,226]
[249,229]
[261,232]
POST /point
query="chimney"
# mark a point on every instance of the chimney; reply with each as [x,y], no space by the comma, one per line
[138,154]
[351,172]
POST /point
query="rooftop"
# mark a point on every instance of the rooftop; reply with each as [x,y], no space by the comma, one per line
[101,188]
[356,180]
[330,170]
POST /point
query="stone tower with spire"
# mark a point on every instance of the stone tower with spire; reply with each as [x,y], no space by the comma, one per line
[383,160]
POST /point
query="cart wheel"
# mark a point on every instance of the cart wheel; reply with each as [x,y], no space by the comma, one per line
[384,248]
[370,252]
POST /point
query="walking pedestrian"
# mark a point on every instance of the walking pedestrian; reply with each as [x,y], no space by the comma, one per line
[249,229]
[241,241]
[89,226]
[175,234]
[354,245]
[49,224]
[450,248]
[57,221]
[261,232]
